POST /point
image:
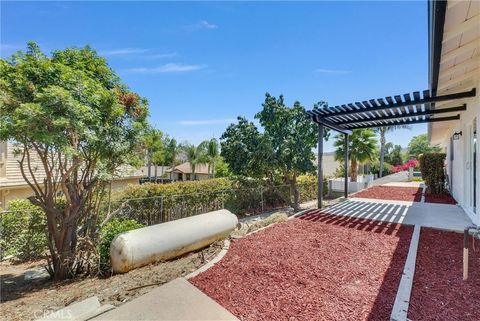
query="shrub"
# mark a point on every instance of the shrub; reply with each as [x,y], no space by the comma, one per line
[23,231]
[375,168]
[108,233]
[307,187]
[431,166]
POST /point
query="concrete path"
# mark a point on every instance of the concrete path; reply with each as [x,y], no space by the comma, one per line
[440,216]
[177,300]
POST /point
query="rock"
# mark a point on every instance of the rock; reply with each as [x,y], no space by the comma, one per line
[37,273]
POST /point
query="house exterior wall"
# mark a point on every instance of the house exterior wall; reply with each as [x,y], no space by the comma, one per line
[460,169]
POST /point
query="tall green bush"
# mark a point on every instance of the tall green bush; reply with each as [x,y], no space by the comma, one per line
[23,231]
[433,173]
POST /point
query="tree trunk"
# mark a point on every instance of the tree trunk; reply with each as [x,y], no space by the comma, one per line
[353,170]
[62,243]
[296,194]
[382,152]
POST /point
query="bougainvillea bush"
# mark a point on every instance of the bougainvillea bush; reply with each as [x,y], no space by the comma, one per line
[432,168]
[404,167]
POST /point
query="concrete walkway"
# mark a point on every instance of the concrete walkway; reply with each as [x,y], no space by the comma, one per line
[177,300]
[440,216]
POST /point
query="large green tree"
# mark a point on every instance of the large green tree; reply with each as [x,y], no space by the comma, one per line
[284,149]
[292,137]
[419,145]
[362,146]
[71,111]
[242,148]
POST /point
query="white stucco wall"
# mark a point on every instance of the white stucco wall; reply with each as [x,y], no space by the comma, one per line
[462,169]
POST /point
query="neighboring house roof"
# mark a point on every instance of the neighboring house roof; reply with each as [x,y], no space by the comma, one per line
[10,175]
[186,168]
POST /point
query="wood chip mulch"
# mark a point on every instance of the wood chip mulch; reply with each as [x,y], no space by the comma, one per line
[445,198]
[316,267]
[412,194]
[439,292]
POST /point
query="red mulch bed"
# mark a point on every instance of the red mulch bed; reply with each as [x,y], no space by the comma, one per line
[395,193]
[317,267]
[439,292]
[440,198]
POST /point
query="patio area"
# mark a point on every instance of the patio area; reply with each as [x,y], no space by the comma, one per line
[349,261]
[315,267]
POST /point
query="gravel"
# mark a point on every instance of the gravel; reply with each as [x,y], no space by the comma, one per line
[316,267]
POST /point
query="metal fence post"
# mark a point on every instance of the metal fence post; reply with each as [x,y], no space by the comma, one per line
[261,193]
[161,209]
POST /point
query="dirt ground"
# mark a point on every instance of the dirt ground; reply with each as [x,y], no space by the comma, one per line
[21,300]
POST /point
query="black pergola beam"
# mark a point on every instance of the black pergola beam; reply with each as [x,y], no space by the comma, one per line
[328,123]
[382,105]
[408,122]
[421,113]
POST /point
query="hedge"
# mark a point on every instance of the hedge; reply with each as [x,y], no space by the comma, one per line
[432,168]
[155,203]
[23,231]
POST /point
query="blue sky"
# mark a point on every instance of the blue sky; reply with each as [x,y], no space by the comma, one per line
[203,64]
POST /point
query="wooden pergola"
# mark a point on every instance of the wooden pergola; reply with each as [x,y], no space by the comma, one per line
[404,109]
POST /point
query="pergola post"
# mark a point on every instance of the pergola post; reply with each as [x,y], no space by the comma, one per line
[345,164]
[320,166]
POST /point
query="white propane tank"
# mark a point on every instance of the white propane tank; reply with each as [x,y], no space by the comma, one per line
[140,247]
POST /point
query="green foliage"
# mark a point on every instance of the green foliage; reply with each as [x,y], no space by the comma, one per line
[375,168]
[242,149]
[72,111]
[393,154]
[211,154]
[221,168]
[23,231]
[362,147]
[153,143]
[419,145]
[154,203]
[433,173]
[292,135]
[108,233]
[307,187]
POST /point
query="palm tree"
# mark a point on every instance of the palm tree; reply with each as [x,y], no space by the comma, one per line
[171,153]
[361,148]
[211,150]
[195,155]
[153,144]
[383,131]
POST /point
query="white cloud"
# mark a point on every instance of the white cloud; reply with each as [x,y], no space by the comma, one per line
[207,122]
[205,24]
[161,55]
[123,51]
[167,68]
[332,71]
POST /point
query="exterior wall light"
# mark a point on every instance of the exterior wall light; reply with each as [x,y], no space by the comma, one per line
[456,136]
